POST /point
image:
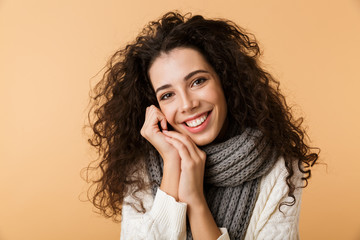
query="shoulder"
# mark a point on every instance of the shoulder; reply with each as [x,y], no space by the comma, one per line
[267,219]
[275,179]
[273,187]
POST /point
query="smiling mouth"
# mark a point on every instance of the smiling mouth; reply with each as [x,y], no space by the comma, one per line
[197,121]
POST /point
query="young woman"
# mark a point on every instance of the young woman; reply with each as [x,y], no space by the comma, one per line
[195,139]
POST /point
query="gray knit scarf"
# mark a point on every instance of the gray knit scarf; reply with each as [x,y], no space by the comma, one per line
[233,172]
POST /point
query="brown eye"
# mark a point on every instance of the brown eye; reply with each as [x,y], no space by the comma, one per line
[166,96]
[199,81]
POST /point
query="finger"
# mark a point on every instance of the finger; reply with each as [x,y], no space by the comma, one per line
[180,147]
[181,137]
[163,124]
[147,115]
[150,127]
[194,151]
[156,116]
[160,117]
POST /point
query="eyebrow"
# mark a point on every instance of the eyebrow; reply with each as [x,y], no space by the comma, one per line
[187,77]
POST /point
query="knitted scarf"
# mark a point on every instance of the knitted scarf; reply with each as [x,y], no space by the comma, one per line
[233,171]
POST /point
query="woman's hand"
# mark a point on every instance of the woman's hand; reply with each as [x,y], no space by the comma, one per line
[151,132]
[192,168]
[193,159]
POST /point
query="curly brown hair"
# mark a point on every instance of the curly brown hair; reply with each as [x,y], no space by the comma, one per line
[121,97]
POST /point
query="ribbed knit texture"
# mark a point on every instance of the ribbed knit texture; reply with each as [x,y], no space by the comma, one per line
[232,175]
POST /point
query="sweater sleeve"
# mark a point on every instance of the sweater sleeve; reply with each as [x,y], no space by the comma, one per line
[165,218]
[267,222]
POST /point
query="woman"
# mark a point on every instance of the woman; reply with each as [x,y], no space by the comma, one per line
[195,138]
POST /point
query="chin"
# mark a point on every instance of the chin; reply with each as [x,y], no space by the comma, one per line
[203,140]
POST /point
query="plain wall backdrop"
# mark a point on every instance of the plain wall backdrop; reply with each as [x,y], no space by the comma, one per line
[50,51]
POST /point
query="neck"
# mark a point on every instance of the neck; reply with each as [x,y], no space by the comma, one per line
[229,130]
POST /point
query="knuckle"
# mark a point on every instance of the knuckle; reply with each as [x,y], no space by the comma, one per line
[182,147]
[202,155]
[144,132]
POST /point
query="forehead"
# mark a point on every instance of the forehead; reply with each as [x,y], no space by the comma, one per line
[175,65]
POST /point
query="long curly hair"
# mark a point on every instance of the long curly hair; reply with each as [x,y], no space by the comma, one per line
[120,99]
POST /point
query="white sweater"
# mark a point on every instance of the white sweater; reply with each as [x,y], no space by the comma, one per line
[165,218]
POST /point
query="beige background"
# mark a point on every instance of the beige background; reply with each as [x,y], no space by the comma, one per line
[50,50]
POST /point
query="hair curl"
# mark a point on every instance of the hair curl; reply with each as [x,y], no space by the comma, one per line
[121,97]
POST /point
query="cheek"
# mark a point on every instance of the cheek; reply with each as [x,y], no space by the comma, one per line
[216,97]
[169,113]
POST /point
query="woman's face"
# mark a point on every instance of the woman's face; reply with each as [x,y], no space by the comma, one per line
[190,94]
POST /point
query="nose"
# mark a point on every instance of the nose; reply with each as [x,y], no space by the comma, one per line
[189,102]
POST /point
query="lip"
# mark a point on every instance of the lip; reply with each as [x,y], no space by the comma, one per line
[200,127]
[196,116]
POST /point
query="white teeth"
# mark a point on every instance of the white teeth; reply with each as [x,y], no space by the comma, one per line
[196,122]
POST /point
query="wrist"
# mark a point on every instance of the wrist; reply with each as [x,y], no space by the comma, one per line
[202,221]
[197,205]
[170,181]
